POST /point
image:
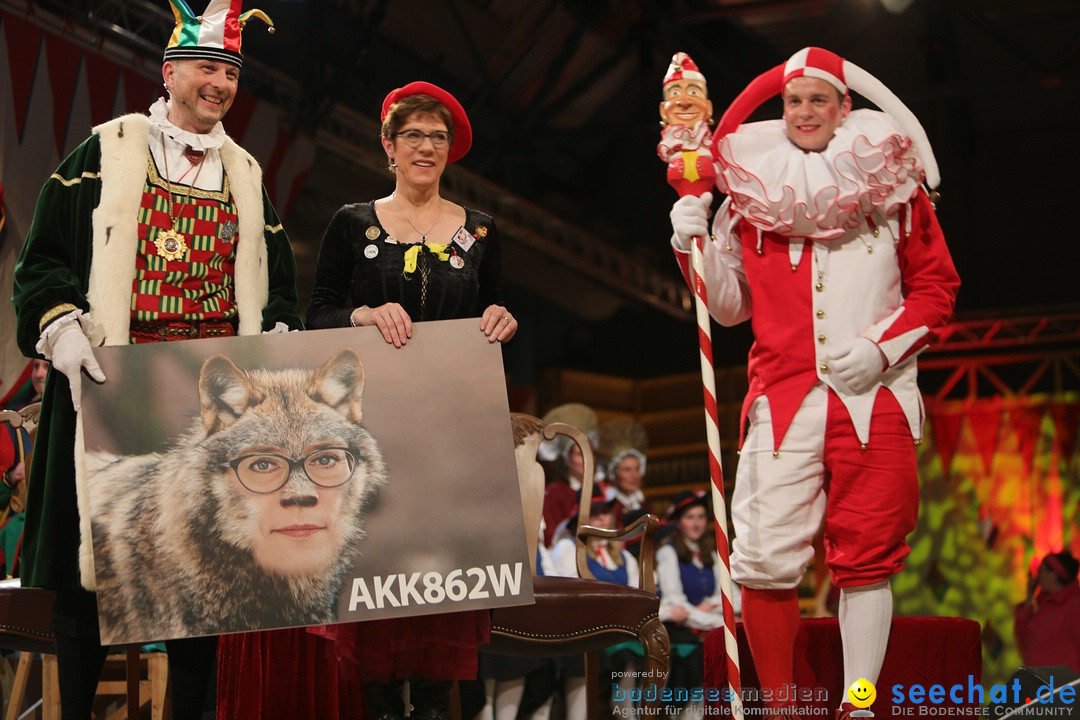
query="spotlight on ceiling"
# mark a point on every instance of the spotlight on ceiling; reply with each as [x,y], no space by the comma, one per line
[896,6]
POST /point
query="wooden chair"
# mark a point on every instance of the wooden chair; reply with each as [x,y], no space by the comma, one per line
[25,616]
[582,614]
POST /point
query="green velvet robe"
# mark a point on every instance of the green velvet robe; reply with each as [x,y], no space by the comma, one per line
[80,252]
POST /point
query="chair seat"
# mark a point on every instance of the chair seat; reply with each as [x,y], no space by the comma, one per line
[25,614]
[571,616]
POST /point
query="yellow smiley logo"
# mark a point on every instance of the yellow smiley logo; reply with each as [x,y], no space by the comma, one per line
[862,693]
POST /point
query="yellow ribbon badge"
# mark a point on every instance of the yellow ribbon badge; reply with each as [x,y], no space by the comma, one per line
[436,249]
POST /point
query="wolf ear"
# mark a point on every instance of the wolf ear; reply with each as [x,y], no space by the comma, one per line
[340,384]
[224,393]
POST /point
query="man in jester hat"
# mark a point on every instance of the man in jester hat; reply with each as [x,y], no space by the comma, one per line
[155,228]
[829,245]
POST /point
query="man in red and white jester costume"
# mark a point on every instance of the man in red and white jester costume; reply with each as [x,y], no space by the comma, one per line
[829,245]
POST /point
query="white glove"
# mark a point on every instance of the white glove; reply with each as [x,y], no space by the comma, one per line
[690,218]
[279,327]
[859,364]
[64,343]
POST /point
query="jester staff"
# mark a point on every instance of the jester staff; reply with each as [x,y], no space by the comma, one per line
[686,146]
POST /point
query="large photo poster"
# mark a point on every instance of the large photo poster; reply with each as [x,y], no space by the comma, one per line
[325,476]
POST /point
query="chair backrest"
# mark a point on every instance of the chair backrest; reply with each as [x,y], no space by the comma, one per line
[529,432]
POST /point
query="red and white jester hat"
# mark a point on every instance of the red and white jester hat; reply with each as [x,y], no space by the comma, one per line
[842,74]
[682,67]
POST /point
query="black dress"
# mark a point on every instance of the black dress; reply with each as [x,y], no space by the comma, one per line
[361,264]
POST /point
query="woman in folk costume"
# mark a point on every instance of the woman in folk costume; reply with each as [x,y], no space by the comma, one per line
[565,465]
[622,443]
[688,580]
[829,245]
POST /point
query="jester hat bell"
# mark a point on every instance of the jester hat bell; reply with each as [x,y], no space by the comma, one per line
[842,74]
[214,35]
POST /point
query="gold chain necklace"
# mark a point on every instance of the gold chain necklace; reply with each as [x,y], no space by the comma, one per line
[171,244]
[423,235]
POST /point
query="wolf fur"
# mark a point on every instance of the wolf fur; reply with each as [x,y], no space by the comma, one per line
[174,544]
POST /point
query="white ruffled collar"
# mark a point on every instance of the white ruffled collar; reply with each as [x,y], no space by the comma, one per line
[159,117]
[868,166]
[633,501]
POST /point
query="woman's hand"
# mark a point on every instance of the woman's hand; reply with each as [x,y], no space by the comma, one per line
[678,614]
[391,319]
[498,324]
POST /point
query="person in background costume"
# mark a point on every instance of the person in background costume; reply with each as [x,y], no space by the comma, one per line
[390,263]
[829,245]
[1047,623]
[565,466]
[622,443]
[16,449]
[155,228]
[688,580]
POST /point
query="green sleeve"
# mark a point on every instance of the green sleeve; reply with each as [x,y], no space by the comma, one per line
[53,268]
[281,303]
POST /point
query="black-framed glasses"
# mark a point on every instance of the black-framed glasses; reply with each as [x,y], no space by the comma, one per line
[264,473]
[414,138]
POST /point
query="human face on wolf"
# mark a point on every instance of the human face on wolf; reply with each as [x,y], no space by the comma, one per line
[298,530]
[297,468]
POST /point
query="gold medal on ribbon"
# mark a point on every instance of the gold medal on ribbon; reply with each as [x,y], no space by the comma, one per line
[171,245]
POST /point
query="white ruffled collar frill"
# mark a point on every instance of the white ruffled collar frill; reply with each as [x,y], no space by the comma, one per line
[868,166]
[159,117]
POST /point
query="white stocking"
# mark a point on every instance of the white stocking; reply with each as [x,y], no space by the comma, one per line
[627,683]
[576,698]
[865,620]
[488,711]
[508,695]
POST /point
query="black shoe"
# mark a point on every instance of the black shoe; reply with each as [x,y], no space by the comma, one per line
[430,699]
[384,701]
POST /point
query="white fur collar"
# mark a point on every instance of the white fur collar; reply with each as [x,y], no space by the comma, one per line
[124,149]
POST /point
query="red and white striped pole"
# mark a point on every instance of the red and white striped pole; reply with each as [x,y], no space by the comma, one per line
[685,144]
[716,473]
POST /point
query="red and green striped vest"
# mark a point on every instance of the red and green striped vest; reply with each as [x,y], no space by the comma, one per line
[198,286]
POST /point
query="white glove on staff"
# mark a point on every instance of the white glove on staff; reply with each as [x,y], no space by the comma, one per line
[690,218]
[859,364]
[64,343]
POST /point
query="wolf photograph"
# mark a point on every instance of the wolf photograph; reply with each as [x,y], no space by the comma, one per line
[238,484]
[282,459]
